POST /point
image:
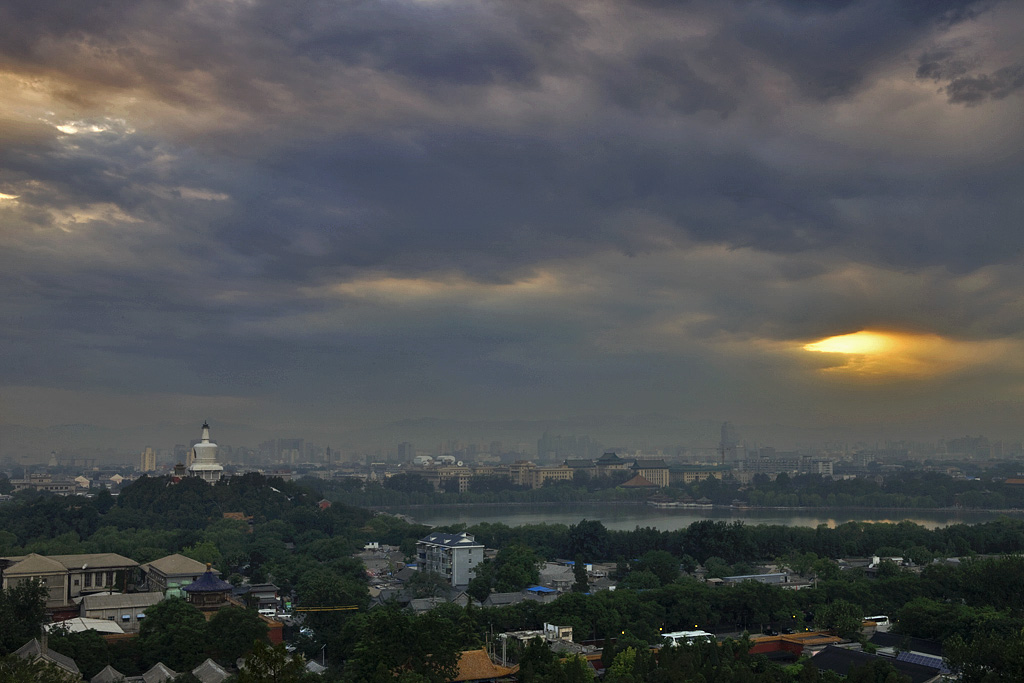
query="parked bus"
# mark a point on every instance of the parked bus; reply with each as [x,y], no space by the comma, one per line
[881,622]
[686,637]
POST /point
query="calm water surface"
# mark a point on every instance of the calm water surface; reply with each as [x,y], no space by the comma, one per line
[626,517]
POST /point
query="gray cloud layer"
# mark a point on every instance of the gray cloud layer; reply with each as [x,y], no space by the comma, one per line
[390,208]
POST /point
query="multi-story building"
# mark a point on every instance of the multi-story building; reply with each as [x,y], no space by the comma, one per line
[688,475]
[453,556]
[148,460]
[127,610]
[654,471]
[66,577]
[610,461]
[61,486]
[170,574]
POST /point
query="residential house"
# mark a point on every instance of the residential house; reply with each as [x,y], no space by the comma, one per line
[128,610]
[170,574]
[38,650]
[67,577]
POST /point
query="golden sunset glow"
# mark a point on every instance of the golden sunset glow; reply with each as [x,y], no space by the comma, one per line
[859,342]
[879,355]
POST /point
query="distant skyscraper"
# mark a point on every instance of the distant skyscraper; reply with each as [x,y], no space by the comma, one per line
[406,452]
[148,463]
[204,459]
[729,449]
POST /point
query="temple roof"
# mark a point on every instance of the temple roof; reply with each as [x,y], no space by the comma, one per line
[208,583]
[475,665]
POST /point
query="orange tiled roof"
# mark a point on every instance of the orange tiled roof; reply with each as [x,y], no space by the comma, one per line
[639,481]
[475,665]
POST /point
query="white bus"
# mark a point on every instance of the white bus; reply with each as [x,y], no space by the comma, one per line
[881,622]
[686,637]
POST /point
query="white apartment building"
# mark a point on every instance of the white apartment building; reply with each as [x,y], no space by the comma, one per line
[453,556]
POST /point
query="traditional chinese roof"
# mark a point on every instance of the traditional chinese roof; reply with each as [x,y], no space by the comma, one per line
[579,464]
[159,673]
[107,674]
[639,482]
[475,665]
[210,672]
[649,465]
[208,583]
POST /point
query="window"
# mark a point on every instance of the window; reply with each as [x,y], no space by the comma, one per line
[140,616]
[88,580]
[126,617]
[76,582]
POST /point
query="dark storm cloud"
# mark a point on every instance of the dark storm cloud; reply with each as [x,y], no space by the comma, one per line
[830,48]
[953,69]
[544,197]
[997,85]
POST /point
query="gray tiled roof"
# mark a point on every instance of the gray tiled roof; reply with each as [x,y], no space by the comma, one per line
[107,675]
[159,673]
[450,540]
[177,564]
[210,672]
[120,600]
[34,648]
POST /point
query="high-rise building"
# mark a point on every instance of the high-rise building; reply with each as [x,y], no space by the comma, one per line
[406,452]
[730,451]
[148,463]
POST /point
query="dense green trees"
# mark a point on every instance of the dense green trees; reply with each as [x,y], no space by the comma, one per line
[174,632]
[273,664]
[516,567]
[22,612]
[16,669]
[387,641]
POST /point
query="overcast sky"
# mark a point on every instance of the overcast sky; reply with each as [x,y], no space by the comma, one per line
[348,212]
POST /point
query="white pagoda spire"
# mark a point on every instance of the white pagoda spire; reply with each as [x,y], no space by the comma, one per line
[204,459]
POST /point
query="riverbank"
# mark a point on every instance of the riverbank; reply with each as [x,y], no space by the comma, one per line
[627,515]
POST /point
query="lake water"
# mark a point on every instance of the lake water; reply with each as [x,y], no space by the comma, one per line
[627,517]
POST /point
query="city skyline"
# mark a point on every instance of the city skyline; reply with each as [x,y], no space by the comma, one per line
[327,219]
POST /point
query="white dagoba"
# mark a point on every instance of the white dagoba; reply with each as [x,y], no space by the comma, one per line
[204,459]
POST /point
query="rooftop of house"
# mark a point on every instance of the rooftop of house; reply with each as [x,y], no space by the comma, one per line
[107,674]
[120,600]
[159,673]
[176,564]
[905,643]
[34,648]
[475,665]
[451,540]
[210,672]
[842,660]
[42,564]
[79,624]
